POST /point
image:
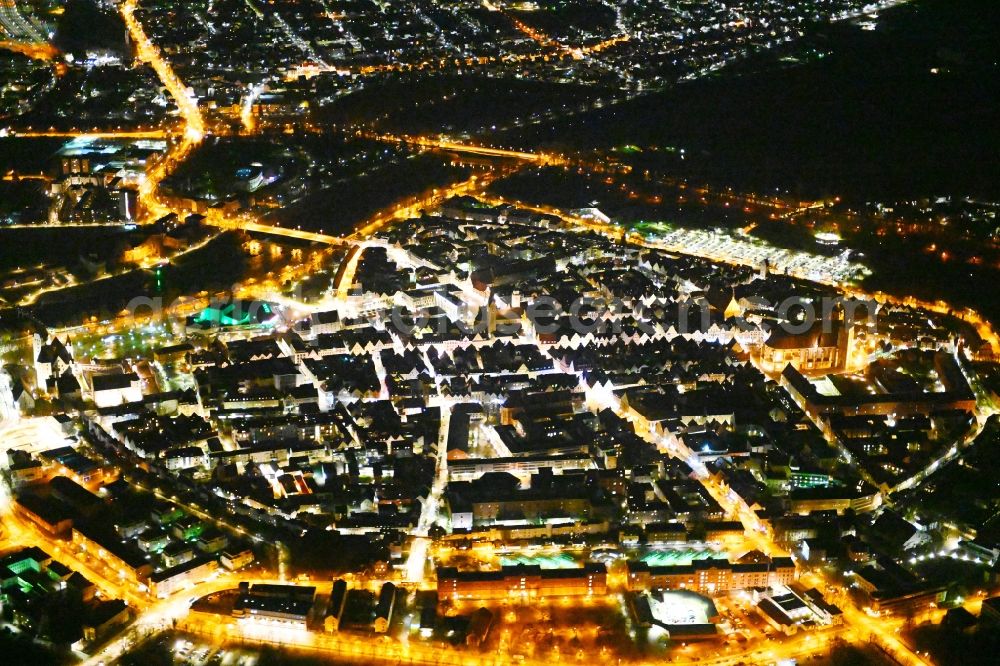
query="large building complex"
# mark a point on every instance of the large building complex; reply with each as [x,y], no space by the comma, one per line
[521,583]
[711,576]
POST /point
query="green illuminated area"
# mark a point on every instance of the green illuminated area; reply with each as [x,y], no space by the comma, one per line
[561,561]
[192,532]
[681,556]
[231,315]
[29,577]
[652,227]
[812,480]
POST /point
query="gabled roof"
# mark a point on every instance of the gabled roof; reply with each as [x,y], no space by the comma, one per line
[113,382]
[53,351]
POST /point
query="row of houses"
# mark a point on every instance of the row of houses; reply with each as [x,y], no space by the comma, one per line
[713,576]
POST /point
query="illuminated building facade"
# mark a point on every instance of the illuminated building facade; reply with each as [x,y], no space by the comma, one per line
[522,582]
[711,576]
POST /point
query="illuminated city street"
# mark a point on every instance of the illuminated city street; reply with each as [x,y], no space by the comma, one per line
[494,332]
